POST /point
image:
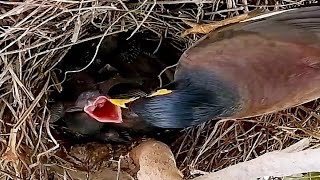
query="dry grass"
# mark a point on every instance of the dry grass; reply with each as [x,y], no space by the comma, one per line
[35,36]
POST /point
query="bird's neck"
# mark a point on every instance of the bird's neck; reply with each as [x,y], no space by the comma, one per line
[208,104]
[189,104]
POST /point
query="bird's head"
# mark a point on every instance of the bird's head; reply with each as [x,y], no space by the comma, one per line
[179,105]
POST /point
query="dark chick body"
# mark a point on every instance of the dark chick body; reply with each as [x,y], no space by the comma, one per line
[118,67]
[82,128]
[81,89]
[243,70]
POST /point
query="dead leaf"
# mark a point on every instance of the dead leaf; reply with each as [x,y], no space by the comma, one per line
[206,28]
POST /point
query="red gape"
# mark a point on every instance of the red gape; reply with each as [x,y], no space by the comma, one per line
[104,111]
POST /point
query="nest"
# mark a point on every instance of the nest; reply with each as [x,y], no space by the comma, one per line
[35,37]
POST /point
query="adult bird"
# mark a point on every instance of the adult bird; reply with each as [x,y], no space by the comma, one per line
[258,66]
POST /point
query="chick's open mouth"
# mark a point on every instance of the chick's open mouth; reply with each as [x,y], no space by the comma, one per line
[103,110]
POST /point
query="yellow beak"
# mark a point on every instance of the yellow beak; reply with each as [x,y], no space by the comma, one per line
[160,92]
[122,102]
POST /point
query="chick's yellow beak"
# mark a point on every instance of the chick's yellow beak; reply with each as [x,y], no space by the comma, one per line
[122,102]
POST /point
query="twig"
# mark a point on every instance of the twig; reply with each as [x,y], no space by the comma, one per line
[145,18]
[164,70]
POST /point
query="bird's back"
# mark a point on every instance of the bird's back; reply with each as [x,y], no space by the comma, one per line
[272,63]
